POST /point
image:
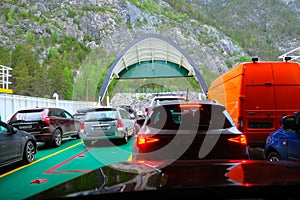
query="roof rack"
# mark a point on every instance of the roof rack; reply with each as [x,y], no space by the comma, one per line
[291,55]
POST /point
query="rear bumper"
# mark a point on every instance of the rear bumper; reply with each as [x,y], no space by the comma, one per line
[240,154]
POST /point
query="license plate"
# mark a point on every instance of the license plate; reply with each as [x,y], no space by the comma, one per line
[101,128]
[25,127]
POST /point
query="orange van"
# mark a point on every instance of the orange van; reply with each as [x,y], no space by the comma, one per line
[257,95]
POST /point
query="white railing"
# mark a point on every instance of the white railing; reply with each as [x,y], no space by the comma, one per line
[4,79]
[9,104]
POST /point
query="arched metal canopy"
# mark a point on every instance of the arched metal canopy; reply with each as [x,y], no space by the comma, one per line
[147,53]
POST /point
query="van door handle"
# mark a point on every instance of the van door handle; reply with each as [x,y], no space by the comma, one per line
[268,83]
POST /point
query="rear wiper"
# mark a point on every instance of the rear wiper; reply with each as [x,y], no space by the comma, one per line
[106,119]
[17,121]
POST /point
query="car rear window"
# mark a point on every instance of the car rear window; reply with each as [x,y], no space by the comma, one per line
[101,115]
[28,116]
[198,116]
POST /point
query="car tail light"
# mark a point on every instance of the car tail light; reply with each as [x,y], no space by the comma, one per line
[143,141]
[241,123]
[120,123]
[239,139]
[190,105]
[82,125]
[45,118]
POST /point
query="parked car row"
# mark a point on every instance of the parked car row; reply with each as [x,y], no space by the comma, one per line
[187,146]
[174,129]
[26,127]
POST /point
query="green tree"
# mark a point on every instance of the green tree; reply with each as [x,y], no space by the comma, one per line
[40,82]
[24,66]
[5,56]
[56,77]
[21,84]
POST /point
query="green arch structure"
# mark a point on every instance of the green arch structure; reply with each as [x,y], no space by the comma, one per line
[151,56]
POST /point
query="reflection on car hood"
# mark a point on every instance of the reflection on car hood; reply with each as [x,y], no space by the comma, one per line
[221,178]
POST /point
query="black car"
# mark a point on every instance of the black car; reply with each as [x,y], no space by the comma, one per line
[187,131]
[16,145]
[47,125]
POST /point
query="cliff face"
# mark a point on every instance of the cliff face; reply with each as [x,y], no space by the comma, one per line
[113,24]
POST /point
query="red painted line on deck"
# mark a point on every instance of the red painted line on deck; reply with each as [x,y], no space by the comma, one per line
[68,171]
[52,170]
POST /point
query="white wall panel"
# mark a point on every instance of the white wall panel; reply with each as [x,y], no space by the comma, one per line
[9,104]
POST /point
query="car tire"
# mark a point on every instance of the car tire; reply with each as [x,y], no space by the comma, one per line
[273,156]
[57,138]
[29,152]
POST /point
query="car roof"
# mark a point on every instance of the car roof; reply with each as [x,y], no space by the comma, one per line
[106,108]
[166,98]
[39,109]
[84,110]
[169,97]
[172,102]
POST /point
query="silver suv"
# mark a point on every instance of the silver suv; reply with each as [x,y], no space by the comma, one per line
[106,123]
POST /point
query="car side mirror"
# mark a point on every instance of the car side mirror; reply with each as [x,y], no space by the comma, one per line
[12,129]
[288,123]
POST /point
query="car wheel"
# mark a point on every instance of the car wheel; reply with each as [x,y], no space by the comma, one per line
[29,152]
[57,138]
[273,156]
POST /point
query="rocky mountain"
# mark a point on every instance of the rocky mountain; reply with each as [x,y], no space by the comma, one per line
[216,34]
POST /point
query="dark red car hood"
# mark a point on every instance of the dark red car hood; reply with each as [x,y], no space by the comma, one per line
[215,178]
